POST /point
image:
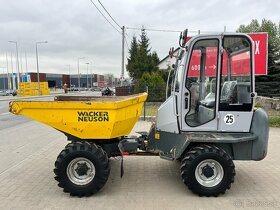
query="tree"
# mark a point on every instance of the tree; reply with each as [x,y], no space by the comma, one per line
[131,61]
[155,84]
[273,41]
[154,60]
[144,43]
[140,58]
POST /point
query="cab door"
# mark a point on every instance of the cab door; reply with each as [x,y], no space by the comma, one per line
[236,84]
[199,94]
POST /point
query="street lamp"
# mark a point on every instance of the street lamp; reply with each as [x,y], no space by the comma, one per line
[38,76]
[69,76]
[91,76]
[4,87]
[18,80]
[79,79]
[87,74]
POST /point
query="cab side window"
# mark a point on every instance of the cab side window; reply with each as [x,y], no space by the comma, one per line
[235,87]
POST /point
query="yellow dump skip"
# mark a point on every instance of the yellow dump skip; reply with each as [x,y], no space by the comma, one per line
[85,117]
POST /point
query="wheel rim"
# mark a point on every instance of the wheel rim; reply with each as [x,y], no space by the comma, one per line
[209,173]
[80,171]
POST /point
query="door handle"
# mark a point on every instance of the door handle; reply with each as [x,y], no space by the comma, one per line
[186,100]
[186,103]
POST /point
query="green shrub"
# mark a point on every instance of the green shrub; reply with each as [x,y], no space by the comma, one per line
[155,84]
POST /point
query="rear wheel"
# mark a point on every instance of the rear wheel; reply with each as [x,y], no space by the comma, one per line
[82,169]
[207,170]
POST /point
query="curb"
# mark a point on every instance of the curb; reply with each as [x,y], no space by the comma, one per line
[147,118]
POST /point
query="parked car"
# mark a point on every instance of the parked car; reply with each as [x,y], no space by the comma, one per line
[7,92]
[107,91]
[3,93]
[11,92]
[73,88]
[97,88]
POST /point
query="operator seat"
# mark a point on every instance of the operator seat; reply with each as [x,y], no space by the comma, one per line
[194,91]
[229,93]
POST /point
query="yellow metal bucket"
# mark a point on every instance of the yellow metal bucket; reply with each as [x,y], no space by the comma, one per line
[91,118]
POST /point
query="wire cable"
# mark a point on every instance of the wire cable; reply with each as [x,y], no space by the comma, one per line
[166,30]
[105,17]
[150,29]
[109,14]
[126,42]
[128,36]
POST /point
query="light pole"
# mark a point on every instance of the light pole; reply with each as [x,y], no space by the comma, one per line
[91,76]
[87,74]
[79,79]
[122,72]
[69,76]
[26,66]
[4,79]
[38,76]
[8,76]
[18,80]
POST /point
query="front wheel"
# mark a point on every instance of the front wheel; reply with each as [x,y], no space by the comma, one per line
[207,170]
[82,169]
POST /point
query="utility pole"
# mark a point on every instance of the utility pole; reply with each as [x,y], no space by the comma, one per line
[122,72]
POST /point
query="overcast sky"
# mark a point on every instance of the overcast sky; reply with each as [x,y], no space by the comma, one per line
[74,28]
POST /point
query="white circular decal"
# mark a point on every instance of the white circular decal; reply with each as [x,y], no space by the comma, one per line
[229,119]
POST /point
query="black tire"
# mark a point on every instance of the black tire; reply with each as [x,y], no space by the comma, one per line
[94,156]
[194,162]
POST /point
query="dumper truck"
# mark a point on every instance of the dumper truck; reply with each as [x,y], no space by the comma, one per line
[207,121]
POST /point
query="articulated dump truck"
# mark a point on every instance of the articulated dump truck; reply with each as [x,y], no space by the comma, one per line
[207,121]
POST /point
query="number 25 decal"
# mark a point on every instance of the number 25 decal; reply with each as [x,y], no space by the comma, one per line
[229,119]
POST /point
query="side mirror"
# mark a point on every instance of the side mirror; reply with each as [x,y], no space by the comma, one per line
[182,38]
[185,35]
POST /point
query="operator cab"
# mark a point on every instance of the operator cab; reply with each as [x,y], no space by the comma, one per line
[213,85]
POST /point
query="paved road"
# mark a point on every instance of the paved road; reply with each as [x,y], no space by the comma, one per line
[26,178]
[28,151]
[8,120]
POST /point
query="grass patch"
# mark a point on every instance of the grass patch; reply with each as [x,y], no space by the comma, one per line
[151,110]
[274,122]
